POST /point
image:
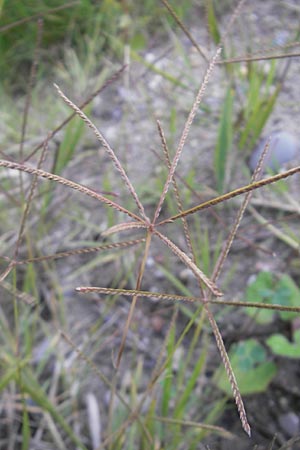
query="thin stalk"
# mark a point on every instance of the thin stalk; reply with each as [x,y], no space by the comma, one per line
[182,298]
[134,300]
[185,30]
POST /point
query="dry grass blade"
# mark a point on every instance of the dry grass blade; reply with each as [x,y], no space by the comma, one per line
[232,194]
[94,419]
[71,184]
[185,132]
[230,374]
[284,237]
[189,423]
[107,147]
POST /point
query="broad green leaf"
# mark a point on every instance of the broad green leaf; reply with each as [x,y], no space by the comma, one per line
[250,365]
[269,289]
[282,347]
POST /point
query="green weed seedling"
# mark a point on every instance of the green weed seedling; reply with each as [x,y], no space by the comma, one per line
[251,366]
[281,346]
[284,291]
[272,289]
[250,361]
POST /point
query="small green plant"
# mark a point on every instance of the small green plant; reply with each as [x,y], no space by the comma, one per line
[251,363]
[272,289]
[251,366]
[281,346]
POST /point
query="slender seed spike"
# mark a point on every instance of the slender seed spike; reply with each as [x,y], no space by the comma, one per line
[229,371]
[242,190]
[64,181]
[107,147]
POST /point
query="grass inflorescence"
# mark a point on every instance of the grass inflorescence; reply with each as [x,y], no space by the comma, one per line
[145,408]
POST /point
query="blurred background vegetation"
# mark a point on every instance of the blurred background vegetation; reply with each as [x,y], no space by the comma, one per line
[77,24]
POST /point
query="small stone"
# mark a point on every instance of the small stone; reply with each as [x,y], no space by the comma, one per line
[284,147]
[185,275]
[157,323]
[289,423]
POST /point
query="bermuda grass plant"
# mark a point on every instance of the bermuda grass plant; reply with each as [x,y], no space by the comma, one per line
[144,408]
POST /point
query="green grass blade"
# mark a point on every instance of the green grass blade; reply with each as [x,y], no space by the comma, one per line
[72,136]
[167,76]
[188,390]
[25,430]
[8,377]
[168,379]
[257,120]
[1,6]
[212,22]
[224,142]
